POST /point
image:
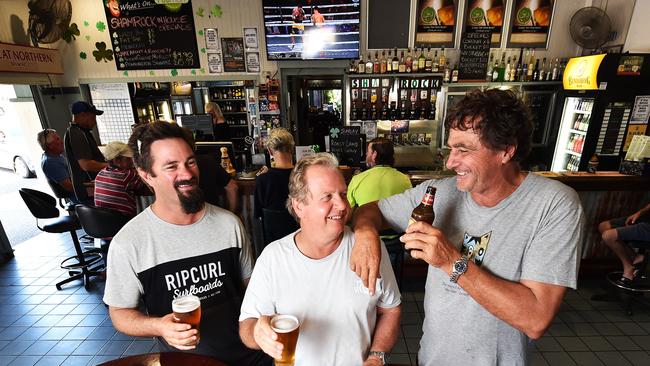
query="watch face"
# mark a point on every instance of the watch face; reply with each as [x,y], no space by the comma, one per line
[460,266]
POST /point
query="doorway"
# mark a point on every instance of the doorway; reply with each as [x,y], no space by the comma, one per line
[315,107]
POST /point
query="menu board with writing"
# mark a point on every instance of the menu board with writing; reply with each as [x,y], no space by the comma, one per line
[348,149]
[146,35]
[474,53]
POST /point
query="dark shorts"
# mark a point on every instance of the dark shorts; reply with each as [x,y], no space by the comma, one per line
[639,231]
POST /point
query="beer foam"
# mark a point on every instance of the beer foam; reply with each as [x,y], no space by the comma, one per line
[284,323]
[185,304]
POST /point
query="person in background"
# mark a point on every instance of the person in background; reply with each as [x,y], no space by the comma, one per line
[614,232]
[179,245]
[220,129]
[84,158]
[306,274]
[117,185]
[215,181]
[272,186]
[381,180]
[317,18]
[53,163]
[503,248]
[297,17]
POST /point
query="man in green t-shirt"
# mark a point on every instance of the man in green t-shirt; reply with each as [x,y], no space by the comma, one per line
[381,180]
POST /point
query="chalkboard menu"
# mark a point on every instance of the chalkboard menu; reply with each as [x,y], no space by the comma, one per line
[348,145]
[474,54]
[146,35]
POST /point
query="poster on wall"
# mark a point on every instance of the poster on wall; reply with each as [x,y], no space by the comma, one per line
[436,23]
[530,23]
[485,16]
[253,61]
[212,39]
[250,38]
[215,63]
[233,55]
[146,35]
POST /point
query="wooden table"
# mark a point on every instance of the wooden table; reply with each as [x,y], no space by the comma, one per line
[165,359]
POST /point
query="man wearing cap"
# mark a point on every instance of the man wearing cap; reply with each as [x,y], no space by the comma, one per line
[117,184]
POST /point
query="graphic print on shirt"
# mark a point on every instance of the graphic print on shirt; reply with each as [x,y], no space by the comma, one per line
[475,247]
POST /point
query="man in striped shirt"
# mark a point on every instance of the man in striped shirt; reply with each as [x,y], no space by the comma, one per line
[117,184]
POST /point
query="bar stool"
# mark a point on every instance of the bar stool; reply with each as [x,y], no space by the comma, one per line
[640,285]
[43,207]
[101,223]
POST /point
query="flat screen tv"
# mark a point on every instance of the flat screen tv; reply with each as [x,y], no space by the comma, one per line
[311,29]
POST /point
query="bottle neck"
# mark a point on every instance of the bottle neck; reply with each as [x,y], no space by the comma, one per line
[427,200]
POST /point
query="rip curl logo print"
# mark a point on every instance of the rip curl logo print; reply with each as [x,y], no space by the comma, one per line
[475,247]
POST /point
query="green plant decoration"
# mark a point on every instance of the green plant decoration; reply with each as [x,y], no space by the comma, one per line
[152,73]
[71,33]
[86,23]
[101,53]
[101,26]
[174,72]
[202,70]
[216,11]
[201,32]
[200,12]
[202,50]
[82,55]
[125,73]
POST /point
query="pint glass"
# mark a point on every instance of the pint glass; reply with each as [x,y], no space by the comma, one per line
[187,309]
[287,328]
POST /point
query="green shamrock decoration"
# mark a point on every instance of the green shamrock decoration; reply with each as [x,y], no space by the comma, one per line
[202,70]
[101,26]
[125,73]
[174,72]
[200,12]
[70,34]
[87,38]
[86,23]
[334,132]
[82,55]
[101,53]
[202,50]
[216,11]
[193,72]
[201,32]
[151,73]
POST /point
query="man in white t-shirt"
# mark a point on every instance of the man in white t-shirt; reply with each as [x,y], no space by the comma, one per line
[306,274]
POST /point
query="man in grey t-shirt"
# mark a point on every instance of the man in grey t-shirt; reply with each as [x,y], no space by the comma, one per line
[504,245]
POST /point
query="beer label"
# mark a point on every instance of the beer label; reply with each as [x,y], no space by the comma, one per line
[427,199]
[411,221]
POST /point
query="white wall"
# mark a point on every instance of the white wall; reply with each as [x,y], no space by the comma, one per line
[638,36]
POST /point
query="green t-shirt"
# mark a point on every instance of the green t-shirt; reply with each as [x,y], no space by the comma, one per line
[379,182]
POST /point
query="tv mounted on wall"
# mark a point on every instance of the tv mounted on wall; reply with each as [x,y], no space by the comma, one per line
[311,29]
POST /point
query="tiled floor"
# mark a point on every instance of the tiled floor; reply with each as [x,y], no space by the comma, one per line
[42,326]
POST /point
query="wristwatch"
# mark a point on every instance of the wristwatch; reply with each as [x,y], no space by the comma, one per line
[460,267]
[381,355]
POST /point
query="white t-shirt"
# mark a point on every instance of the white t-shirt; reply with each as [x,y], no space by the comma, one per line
[337,315]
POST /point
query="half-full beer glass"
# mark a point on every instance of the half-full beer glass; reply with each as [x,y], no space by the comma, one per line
[187,309]
[287,327]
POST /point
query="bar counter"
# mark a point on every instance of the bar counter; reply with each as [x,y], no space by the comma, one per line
[604,195]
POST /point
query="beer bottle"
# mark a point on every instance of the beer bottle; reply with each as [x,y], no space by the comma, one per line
[225,162]
[424,211]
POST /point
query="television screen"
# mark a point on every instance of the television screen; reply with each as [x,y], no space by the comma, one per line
[311,29]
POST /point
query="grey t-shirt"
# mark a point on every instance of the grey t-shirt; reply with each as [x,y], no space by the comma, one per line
[336,312]
[152,261]
[533,234]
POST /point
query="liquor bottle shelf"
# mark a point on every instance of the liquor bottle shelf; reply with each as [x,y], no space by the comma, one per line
[578,132]
[411,74]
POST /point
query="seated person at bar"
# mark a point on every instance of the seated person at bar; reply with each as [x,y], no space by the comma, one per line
[117,185]
[177,246]
[53,163]
[84,158]
[220,129]
[615,232]
[306,274]
[381,180]
[272,186]
[215,181]
[503,248]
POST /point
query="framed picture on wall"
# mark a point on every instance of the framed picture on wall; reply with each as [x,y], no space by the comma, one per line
[435,23]
[233,54]
[530,23]
[483,16]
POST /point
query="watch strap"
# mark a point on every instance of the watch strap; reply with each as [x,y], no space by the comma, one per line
[379,354]
[455,274]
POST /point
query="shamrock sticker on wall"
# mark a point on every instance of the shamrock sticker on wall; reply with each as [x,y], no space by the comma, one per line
[82,55]
[86,23]
[101,26]
[334,132]
[71,33]
[200,12]
[216,11]
[174,72]
[101,53]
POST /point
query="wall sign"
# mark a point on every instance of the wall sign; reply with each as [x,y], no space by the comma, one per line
[474,53]
[436,23]
[581,73]
[233,55]
[250,38]
[15,58]
[215,63]
[485,16]
[212,39]
[530,23]
[253,61]
[146,35]
[641,109]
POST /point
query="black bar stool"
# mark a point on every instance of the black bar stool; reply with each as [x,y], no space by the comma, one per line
[101,223]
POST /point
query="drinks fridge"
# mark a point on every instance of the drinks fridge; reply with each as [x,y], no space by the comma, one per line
[604,103]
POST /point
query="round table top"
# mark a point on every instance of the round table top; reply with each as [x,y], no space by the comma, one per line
[165,359]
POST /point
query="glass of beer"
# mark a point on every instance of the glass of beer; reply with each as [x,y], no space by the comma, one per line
[187,309]
[287,327]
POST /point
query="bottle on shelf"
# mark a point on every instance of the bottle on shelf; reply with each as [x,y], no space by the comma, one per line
[447,75]
[428,62]
[361,66]
[369,65]
[502,68]
[488,74]
[394,113]
[442,62]
[536,71]
[395,62]
[382,63]
[422,61]
[409,61]
[435,66]
[389,63]
[495,71]
[376,64]
[513,70]
[554,73]
[402,64]
[403,112]
[454,74]
[506,74]
[542,71]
